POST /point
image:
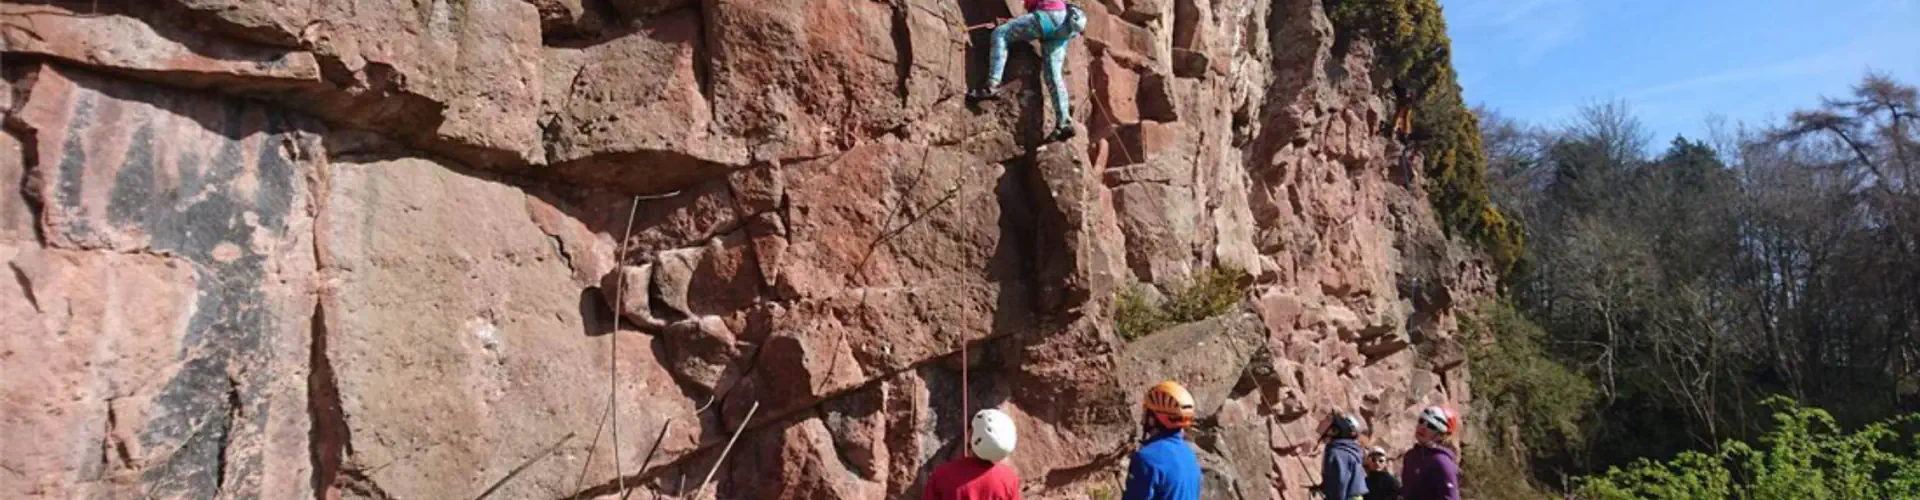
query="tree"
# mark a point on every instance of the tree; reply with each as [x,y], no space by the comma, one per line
[1689,285]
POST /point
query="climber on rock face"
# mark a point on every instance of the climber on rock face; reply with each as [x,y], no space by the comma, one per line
[983,476]
[1165,468]
[1053,23]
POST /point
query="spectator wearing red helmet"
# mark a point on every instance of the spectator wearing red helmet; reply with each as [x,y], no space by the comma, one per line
[1430,471]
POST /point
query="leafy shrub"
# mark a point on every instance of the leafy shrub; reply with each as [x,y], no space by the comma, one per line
[1213,292]
[1495,476]
[1805,456]
[1528,399]
[1135,315]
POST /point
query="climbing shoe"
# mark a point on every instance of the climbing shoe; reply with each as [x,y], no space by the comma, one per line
[1062,132]
[982,94]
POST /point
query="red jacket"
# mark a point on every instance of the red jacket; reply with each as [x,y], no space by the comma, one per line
[969,478]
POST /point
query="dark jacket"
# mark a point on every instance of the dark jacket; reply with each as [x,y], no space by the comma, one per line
[1164,469]
[1341,475]
[1430,473]
[1381,485]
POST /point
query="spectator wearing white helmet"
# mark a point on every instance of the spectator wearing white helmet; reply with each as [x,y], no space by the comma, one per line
[1430,471]
[985,475]
[1381,485]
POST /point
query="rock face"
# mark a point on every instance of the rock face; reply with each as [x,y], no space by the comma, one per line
[384,249]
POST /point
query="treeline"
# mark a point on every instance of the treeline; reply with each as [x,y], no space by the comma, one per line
[1667,292]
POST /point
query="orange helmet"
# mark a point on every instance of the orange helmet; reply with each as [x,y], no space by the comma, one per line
[1170,404]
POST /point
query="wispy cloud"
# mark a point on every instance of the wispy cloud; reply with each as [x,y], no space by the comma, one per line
[1518,11]
[1526,30]
[1786,69]
[1852,57]
[1893,6]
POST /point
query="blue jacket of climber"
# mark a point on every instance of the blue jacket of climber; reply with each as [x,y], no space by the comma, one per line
[1053,23]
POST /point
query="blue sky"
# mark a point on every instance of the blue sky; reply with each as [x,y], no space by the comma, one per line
[1675,62]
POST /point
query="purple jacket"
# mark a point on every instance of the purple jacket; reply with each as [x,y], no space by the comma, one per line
[1429,473]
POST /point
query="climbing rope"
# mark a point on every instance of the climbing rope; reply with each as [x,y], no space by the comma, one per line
[966,426]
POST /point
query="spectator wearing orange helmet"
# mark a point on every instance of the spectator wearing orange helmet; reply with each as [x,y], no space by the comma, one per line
[1164,468]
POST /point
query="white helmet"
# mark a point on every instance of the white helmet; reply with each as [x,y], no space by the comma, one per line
[1440,420]
[993,435]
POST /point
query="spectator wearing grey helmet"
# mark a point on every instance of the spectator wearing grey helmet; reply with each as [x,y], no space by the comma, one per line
[1341,474]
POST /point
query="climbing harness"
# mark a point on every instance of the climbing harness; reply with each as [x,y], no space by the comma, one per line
[1050,32]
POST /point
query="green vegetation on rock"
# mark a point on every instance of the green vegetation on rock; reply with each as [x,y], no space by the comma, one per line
[1528,405]
[1411,44]
[1210,293]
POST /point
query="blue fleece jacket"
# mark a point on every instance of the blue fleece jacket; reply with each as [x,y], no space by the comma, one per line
[1341,474]
[1164,469]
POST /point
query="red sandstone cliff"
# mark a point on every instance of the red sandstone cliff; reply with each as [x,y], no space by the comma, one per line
[372,248]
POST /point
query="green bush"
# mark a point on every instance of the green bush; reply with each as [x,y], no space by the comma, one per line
[1804,456]
[1495,476]
[1519,387]
[1213,292]
[1529,405]
[1134,315]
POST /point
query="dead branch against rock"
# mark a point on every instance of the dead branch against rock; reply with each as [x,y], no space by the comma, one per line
[648,462]
[592,448]
[613,353]
[704,483]
[523,467]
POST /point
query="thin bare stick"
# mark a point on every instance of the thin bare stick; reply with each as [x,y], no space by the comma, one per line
[723,452]
[613,354]
[656,448]
[523,466]
[592,448]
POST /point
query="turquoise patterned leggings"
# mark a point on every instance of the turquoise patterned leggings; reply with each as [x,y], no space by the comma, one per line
[1030,27]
